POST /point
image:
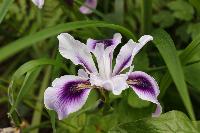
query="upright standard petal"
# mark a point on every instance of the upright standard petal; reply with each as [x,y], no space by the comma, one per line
[127,53]
[124,58]
[103,51]
[91,43]
[145,87]
[104,61]
[38,3]
[142,41]
[88,3]
[76,51]
[67,95]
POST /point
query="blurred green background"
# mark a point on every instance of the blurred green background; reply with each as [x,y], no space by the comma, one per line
[29,61]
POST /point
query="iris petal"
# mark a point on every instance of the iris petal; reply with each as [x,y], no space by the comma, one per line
[88,3]
[67,95]
[76,51]
[103,51]
[91,43]
[38,3]
[116,84]
[128,51]
[82,73]
[124,58]
[145,87]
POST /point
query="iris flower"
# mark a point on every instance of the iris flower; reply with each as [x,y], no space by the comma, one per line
[69,93]
[92,4]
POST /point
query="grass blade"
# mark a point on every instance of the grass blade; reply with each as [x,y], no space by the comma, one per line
[4,8]
[146,13]
[30,40]
[39,105]
[35,63]
[28,81]
[192,49]
[167,49]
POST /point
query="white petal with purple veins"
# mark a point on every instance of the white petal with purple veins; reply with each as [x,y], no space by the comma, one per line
[124,58]
[142,41]
[88,3]
[103,51]
[65,95]
[127,53]
[38,3]
[76,51]
[91,43]
[103,60]
[145,87]
[83,74]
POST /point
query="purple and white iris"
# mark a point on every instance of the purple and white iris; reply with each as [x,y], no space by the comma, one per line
[69,93]
[85,8]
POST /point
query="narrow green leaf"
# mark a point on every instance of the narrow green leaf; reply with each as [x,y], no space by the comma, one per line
[32,39]
[192,49]
[192,73]
[28,81]
[39,105]
[167,49]
[171,122]
[4,8]
[146,13]
[35,63]
[164,84]
[186,56]
[52,114]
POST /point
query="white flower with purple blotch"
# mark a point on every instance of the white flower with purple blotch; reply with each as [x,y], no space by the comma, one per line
[85,8]
[69,93]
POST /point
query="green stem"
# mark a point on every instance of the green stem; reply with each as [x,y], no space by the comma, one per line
[146,13]
[39,105]
[4,8]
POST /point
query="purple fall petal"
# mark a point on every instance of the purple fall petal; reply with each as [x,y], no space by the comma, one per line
[65,96]
[145,87]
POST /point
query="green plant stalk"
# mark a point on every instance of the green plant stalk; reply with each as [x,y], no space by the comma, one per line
[36,63]
[4,8]
[39,105]
[167,49]
[52,115]
[146,15]
[28,81]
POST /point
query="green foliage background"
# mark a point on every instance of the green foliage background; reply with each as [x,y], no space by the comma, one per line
[29,61]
